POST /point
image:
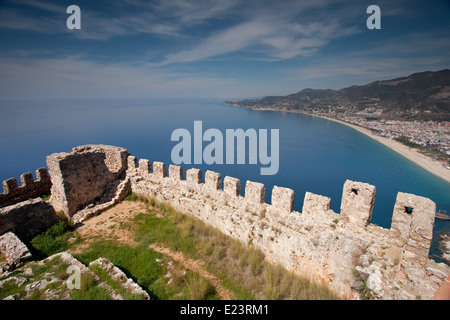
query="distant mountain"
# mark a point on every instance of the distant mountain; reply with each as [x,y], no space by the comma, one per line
[420,96]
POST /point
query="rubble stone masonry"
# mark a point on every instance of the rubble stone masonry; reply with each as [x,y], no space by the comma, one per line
[29,188]
[341,250]
[344,251]
[83,175]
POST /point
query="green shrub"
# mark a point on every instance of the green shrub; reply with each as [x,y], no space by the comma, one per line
[136,197]
[89,289]
[132,197]
[241,269]
[54,240]
[199,288]
[139,263]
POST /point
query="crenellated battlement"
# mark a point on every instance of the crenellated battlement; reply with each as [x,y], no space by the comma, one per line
[29,188]
[357,201]
[327,246]
[342,250]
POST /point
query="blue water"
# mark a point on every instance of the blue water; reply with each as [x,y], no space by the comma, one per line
[316,155]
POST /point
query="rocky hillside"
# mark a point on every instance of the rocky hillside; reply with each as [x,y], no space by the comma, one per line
[420,96]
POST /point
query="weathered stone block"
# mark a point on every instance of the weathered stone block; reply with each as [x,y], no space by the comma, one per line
[357,202]
[314,203]
[42,175]
[176,172]
[132,162]
[28,189]
[283,199]
[213,180]
[318,246]
[194,176]
[232,186]
[118,275]
[81,176]
[255,192]
[28,218]
[14,250]
[413,220]
[159,169]
[145,166]
[9,185]
[26,179]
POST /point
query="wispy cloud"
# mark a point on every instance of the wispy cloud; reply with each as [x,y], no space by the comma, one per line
[276,39]
[188,13]
[271,25]
[210,47]
[165,18]
[362,67]
[73,76]
[15,19]
[47,6]
[230,40]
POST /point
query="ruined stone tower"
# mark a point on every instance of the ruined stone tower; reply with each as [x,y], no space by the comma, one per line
[342,250]
[84,175]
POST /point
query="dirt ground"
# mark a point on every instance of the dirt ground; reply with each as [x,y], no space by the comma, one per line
[112,225]
[108,225]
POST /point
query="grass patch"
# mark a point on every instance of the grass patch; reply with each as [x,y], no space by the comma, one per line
[163,230]
[43,270]
[143,265]
[139,262]
[89,289]
[135,197]
[200,288]
[52,266]
[241,269]
[103,275]
[53,240]
[10,287]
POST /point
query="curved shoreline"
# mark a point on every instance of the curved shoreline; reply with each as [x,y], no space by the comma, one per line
[405,151]
[409,153]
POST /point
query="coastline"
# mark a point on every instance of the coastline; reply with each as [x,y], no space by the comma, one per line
[418,158]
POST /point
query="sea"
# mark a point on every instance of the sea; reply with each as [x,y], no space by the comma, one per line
[315,154]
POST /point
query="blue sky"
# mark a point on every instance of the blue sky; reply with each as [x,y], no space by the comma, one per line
[215,49]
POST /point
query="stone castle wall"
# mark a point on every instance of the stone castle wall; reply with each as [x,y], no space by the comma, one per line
[27,219]
[84,175]
[29,188]
[342,250]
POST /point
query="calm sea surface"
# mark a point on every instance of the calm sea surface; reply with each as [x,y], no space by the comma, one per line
[316,155]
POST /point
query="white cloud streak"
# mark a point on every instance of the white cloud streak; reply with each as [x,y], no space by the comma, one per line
[276,41]
[272,28]
[196,31]
[73,77]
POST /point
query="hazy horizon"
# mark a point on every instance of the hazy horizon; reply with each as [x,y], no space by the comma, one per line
[213,49]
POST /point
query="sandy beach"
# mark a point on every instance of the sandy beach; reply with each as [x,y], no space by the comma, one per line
[409,153]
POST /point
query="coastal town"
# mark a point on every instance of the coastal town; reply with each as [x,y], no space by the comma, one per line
[411,112]
[431,138]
